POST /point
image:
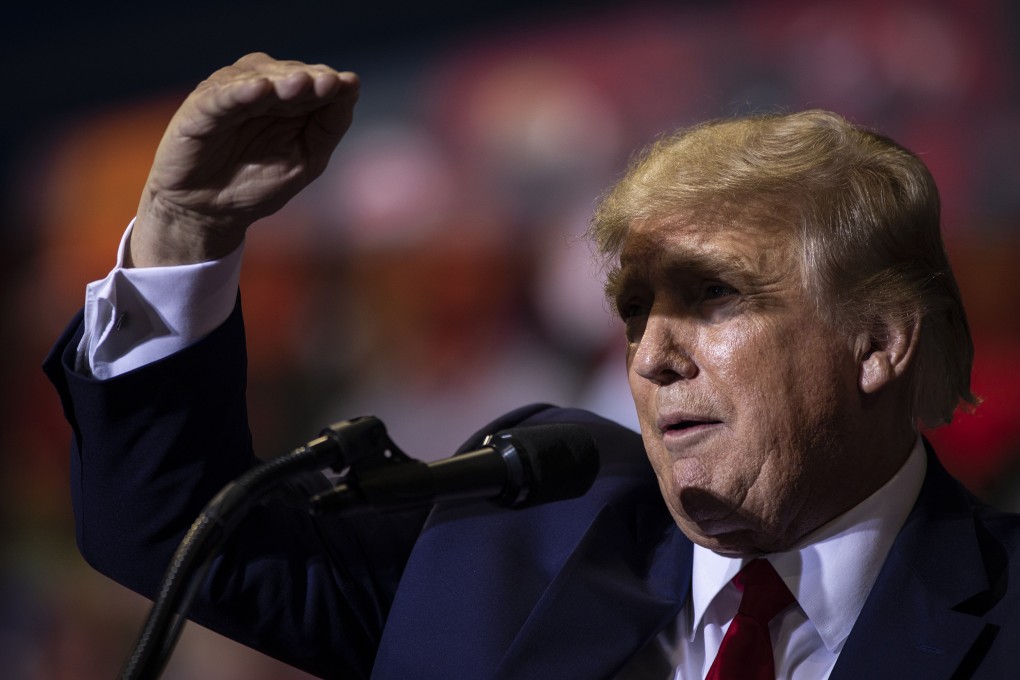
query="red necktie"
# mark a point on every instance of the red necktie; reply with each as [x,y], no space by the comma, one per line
[746,650]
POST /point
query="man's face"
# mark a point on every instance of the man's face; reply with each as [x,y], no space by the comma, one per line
[747,399]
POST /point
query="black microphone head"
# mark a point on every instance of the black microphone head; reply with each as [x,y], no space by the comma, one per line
[557,462]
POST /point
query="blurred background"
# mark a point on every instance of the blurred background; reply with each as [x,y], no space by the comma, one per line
[435,276]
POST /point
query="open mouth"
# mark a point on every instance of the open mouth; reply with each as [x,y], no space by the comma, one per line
[688,425]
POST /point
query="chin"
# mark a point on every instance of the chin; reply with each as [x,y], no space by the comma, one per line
[729,536]
[732,544]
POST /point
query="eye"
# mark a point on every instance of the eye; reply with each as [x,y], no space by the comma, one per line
[634,315]
[632,310]
[715,291]
[631,301]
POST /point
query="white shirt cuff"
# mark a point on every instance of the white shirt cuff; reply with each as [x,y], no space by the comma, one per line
[137,316]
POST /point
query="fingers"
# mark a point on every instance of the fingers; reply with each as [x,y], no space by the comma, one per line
[292,79]
[308,84]
[258,84]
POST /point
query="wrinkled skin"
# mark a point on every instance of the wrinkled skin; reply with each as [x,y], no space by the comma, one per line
[756,414]
[243,143]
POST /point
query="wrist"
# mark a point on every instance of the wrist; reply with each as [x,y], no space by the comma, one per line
[166,235]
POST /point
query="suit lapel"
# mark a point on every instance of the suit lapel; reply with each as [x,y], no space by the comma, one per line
[533,594]
[918,620]
[613,594]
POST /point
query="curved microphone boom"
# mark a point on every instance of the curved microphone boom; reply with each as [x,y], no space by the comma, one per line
[516,468]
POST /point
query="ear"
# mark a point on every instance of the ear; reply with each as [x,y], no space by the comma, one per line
[887,352]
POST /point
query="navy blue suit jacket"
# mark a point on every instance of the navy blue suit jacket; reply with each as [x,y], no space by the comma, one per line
[568,590]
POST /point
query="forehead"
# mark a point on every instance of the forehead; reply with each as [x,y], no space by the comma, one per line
[734,246]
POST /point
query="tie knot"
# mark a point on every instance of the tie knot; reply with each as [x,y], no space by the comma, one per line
[764,593]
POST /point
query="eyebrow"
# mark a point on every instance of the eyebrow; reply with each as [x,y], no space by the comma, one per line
[638,267]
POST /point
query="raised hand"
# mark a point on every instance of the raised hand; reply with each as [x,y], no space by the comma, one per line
[242,144]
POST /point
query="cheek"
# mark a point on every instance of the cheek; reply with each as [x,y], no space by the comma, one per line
[770,396]
[720,347]
[744,364]
[777,367]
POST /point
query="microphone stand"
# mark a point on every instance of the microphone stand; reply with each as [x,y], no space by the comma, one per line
[349,447]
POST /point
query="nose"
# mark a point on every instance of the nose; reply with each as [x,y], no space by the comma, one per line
[661,354]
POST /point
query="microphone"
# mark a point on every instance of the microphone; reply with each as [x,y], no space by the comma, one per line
[516,468]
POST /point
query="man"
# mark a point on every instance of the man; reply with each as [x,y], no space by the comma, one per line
[791,320]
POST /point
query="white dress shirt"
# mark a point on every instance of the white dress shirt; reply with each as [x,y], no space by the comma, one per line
[134,317]
[830,573]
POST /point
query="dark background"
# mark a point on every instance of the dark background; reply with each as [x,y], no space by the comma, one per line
[433,275]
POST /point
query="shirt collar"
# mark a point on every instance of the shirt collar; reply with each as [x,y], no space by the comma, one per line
[832,569]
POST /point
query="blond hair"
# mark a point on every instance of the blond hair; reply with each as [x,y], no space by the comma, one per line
[865,212]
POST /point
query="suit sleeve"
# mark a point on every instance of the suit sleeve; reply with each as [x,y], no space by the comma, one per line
[151,447]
